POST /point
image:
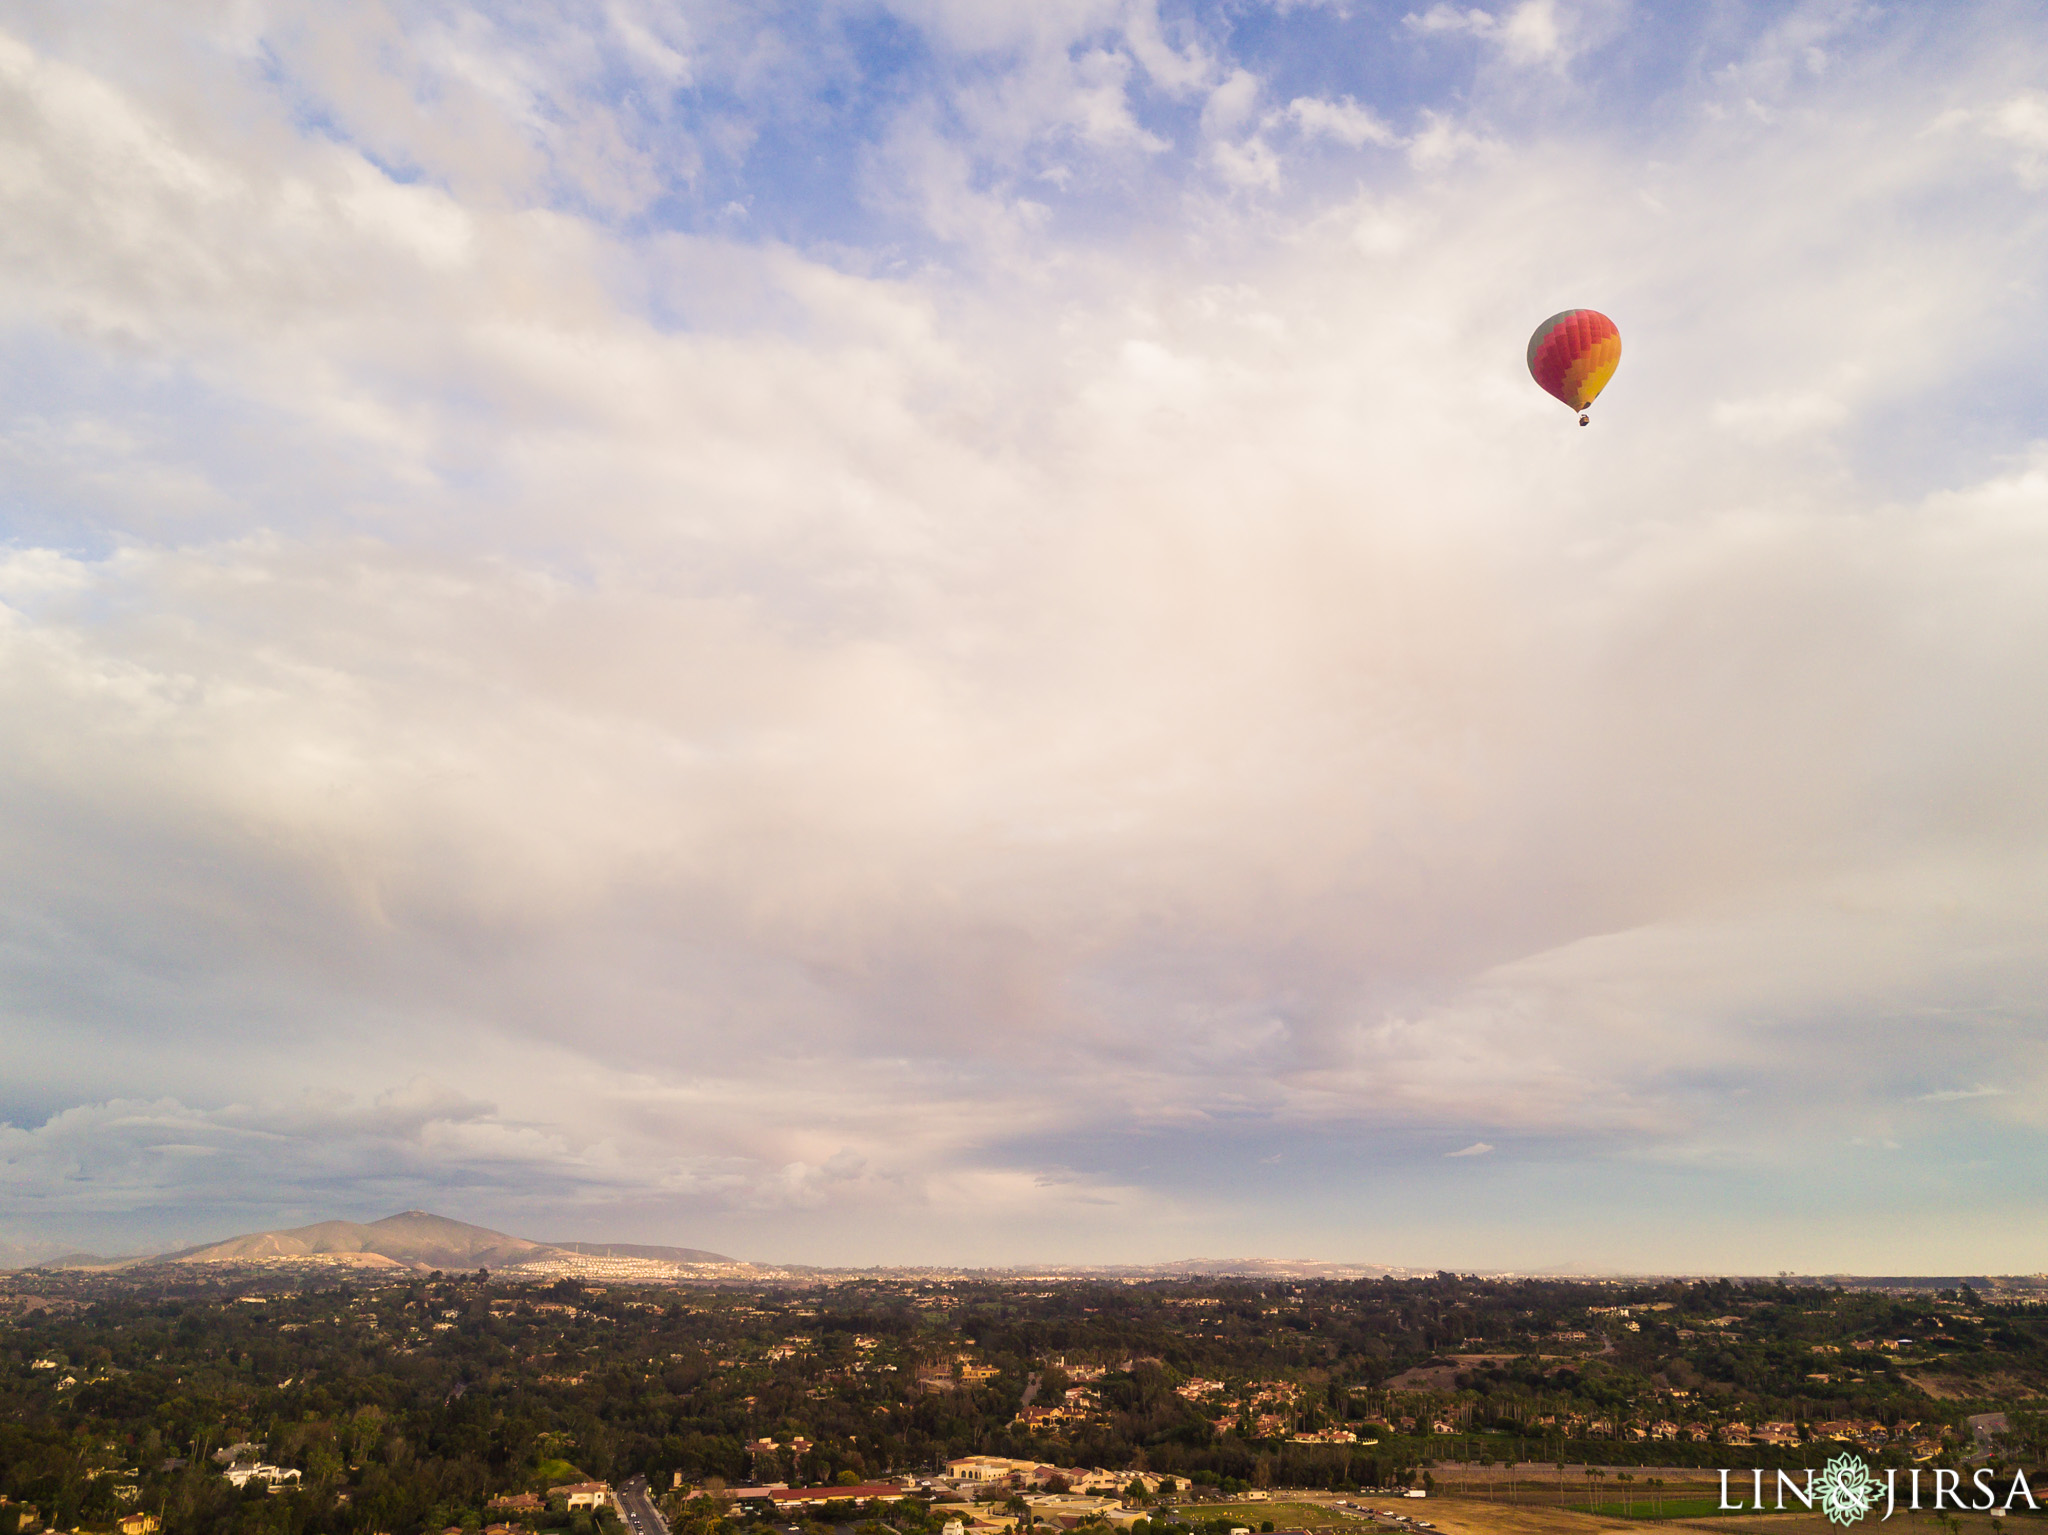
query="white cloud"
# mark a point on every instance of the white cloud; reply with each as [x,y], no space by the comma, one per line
[2023,121]
[1231,103]
[1476,1149]
[1343,120]
[1442,141]
[1527,34]
[1249,163]
[1180,70]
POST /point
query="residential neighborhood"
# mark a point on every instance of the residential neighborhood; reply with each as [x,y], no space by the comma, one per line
[368,1405]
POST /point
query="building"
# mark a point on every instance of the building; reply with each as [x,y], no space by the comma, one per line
[861,1492]
[988,1468]
[585,1495]
[516,1503]
[1061,1507]
[136,1524]
[243,1472]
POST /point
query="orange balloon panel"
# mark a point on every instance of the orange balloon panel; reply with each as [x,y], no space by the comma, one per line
[1574,354]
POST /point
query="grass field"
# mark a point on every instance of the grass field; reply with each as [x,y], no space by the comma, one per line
[1285,1516]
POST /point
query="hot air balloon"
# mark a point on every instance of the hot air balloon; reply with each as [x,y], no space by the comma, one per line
[1573,355]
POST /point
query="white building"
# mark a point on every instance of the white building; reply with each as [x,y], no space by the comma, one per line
[243,1472]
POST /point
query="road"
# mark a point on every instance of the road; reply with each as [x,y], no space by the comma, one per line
[641,1516]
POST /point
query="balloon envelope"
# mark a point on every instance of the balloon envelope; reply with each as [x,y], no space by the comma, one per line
[1574,354]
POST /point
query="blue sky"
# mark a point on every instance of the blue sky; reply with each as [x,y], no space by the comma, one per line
[951,632]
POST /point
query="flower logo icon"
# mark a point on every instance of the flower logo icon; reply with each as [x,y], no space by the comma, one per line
[1847,1489]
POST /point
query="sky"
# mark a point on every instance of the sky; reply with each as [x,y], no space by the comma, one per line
[950,631]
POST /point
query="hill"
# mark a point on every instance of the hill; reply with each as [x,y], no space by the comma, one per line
[630,1250]
[413,1239]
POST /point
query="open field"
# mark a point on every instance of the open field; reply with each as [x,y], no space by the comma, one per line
[1285,1516]
[1468,1516]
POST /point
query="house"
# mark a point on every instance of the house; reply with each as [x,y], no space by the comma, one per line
[243,1472]
[136,1524]
[516,1503]
[585,1495]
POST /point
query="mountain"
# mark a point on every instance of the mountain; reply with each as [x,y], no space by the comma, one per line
[413,1240]
[654,1254]
[69,1261]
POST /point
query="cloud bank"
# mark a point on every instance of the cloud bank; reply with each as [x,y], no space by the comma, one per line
[951,632]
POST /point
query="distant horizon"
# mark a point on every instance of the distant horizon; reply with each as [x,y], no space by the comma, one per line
[1193,1266]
